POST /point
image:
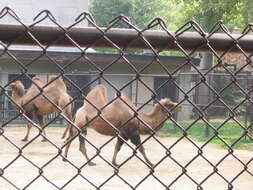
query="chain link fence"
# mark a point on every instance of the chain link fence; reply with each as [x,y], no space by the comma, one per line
[133,87]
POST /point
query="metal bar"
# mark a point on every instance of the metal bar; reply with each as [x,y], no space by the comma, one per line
[17,34]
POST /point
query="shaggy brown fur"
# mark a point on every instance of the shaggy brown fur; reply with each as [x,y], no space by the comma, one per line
[36,105]
[117,117]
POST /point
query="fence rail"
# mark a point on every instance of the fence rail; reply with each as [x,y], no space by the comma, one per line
[164,40]
[213,104]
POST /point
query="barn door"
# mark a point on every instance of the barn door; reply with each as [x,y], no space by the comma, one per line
[168,90]
[81,81]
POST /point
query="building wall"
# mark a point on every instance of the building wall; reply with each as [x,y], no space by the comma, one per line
[65,11]
[117,81]
[142,94]
[3,79]
[184,82]
[139,95]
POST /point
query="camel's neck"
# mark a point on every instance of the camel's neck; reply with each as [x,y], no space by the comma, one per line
[154,119]
[17,95]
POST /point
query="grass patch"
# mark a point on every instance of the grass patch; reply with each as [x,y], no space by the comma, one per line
[58,125]
[230,132]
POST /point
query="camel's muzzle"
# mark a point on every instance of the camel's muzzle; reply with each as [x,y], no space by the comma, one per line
[176,108]
[179,108]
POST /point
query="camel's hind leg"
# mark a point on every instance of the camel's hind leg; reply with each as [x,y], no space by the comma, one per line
[69,126]
[68,113]
[29,126]
[82,147]
[66,131]
[80,122]
[73,132]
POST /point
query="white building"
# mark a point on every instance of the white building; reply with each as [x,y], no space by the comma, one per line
[65,12]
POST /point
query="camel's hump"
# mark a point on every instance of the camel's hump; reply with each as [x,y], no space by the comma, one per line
[51,78]
[100,86]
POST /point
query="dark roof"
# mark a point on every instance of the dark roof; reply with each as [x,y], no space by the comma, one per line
[77,62]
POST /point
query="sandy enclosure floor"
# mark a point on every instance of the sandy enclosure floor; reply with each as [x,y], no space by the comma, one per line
[22,172]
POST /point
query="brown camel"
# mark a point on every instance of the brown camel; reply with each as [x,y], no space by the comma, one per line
[36,105]
[117,118]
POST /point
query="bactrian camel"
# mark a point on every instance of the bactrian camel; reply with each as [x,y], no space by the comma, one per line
[118,114]
[37,106]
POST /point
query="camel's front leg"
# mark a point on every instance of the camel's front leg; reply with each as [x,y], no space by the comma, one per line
[29,126]
[136,140]
[116,150]
[42,126]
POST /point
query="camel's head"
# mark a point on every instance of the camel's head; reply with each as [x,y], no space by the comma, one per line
[18,88]
[170,105]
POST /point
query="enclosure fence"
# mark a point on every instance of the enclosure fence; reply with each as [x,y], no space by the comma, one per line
[147,65]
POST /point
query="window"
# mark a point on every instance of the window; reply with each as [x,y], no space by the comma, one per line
[168,89]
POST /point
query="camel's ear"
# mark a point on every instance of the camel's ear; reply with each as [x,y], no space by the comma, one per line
[171,103]
[167,102]
[12,85]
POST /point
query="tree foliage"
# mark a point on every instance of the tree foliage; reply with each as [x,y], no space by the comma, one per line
[140,12]
[234,13]
[175,13]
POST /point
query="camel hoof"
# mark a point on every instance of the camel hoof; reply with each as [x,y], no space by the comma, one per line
[91,163]
[24,140]
[150,164]
[115,164]
[44,140]
[64,159]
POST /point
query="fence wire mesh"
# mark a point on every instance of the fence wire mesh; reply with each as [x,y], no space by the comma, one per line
[118,83]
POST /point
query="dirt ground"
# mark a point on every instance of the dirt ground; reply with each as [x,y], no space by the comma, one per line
[56,174]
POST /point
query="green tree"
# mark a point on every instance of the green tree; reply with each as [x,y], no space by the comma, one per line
[140,12]
[245,13]
[234,13]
